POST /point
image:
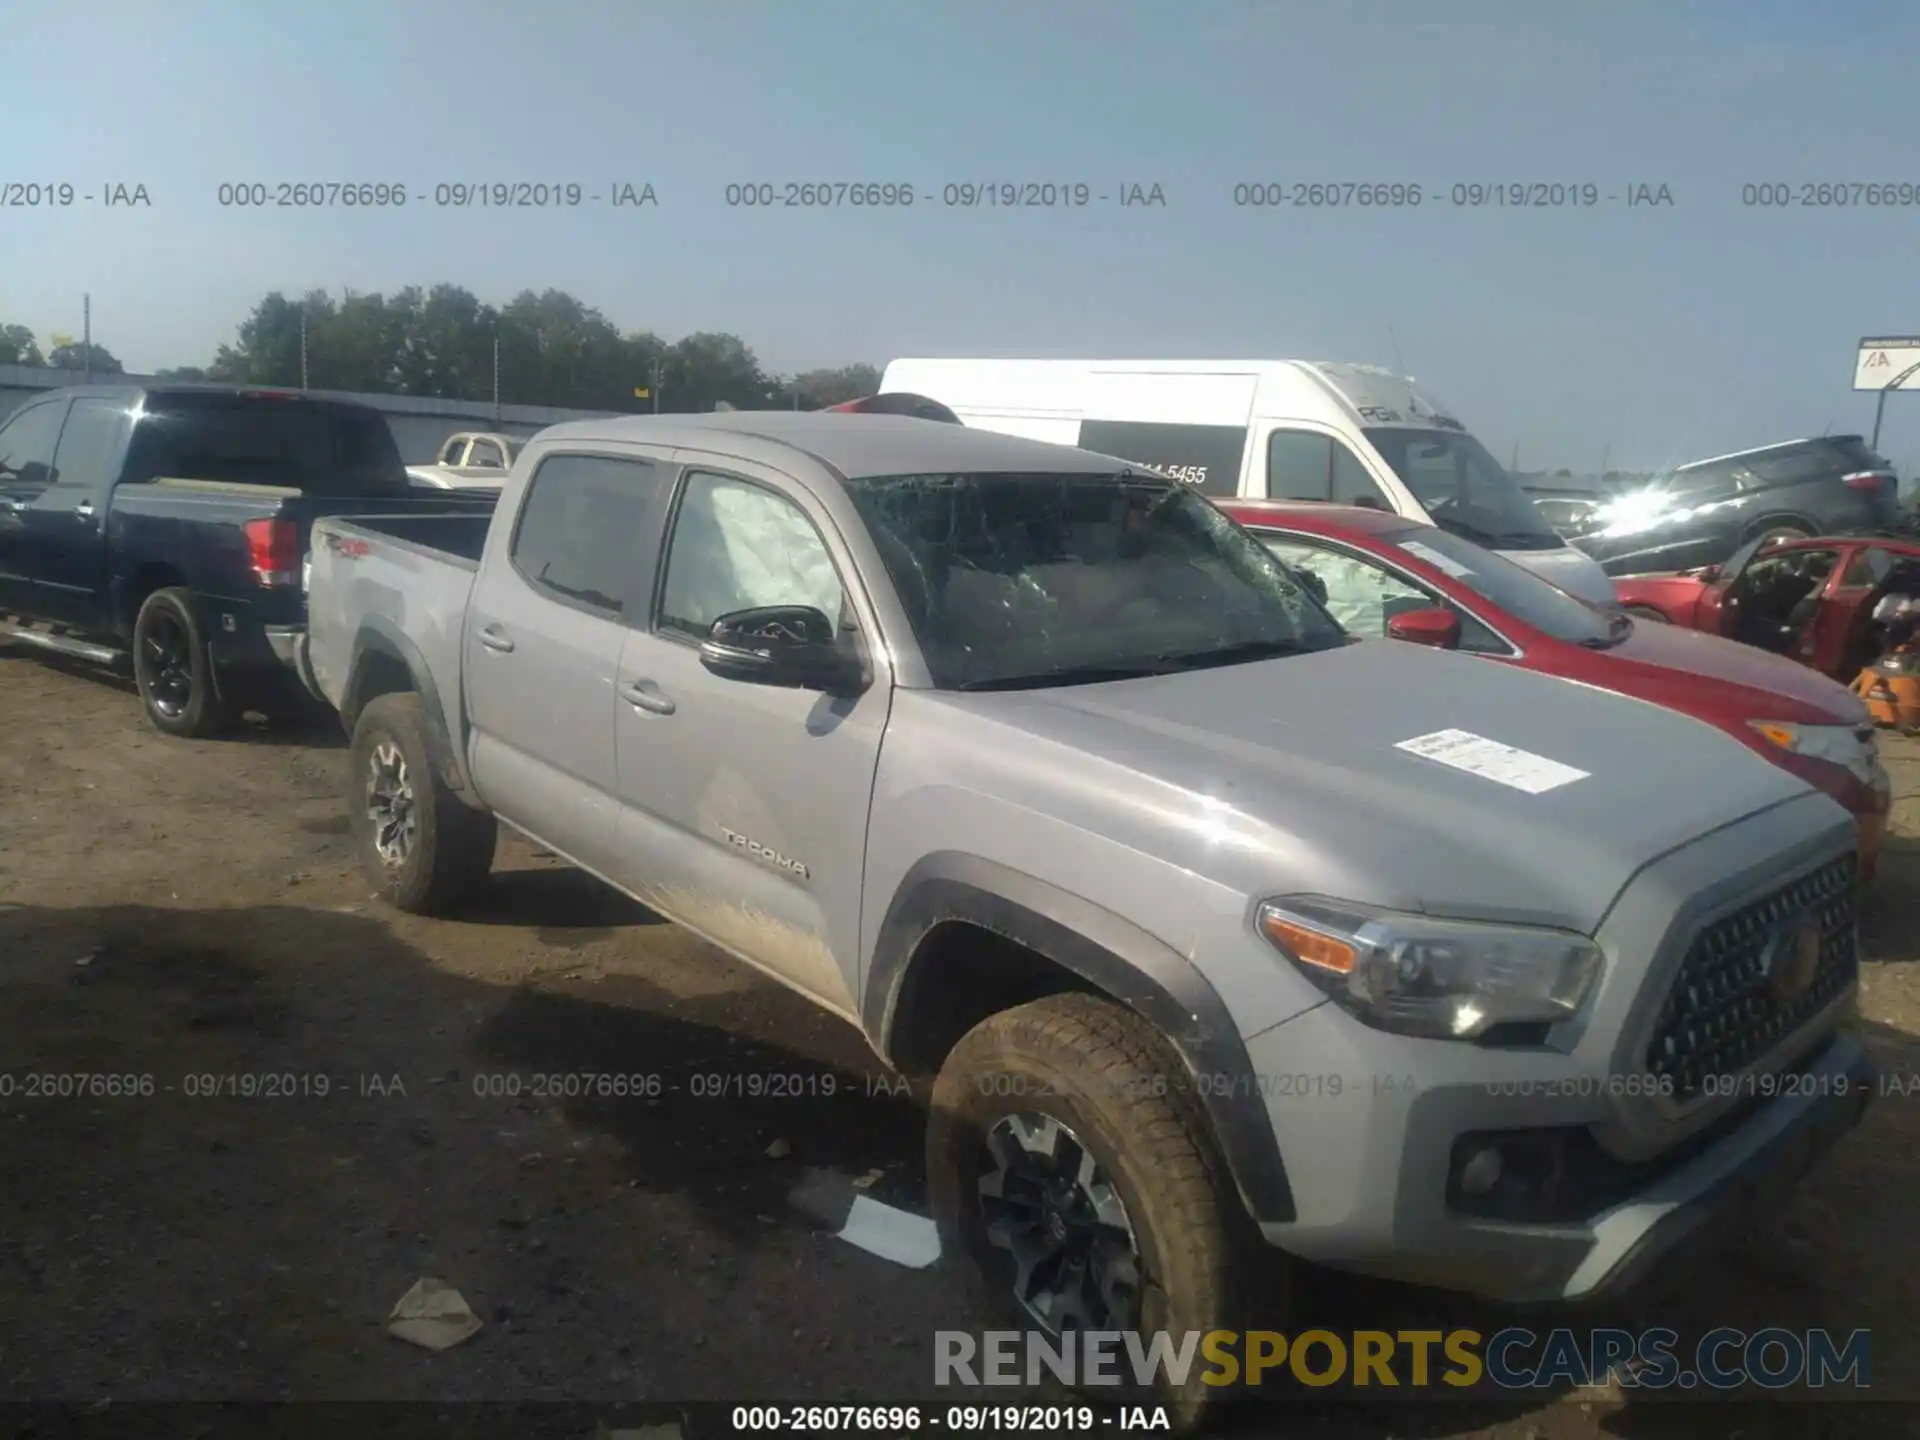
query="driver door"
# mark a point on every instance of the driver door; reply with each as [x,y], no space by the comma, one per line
[1722,604]
[743,807]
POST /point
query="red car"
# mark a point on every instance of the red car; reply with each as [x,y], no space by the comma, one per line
[1821,601]
[1382,575]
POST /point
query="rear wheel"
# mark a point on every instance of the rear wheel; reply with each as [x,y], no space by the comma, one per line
[173,668]
[423,847]
[1074,1173]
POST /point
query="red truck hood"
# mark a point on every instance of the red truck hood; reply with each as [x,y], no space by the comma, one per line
[1746,684]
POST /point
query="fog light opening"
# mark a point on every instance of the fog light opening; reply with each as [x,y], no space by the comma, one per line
[1481,1172]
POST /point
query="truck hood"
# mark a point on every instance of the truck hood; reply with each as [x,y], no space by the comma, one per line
[1285,776]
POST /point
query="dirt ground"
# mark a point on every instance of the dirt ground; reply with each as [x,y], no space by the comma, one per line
[176,910]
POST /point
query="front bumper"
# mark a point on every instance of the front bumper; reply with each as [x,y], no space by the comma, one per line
[1373,1127]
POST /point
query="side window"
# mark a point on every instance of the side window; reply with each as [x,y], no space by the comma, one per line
[1359,593]
[90,444]
[1790,467]
[739,546]
[1299,465]
[1303,465]
[455,451]
[1352,485]
[1363,595]
[485,454]
[1867,569]
[27,441]
[1207,457]
[578,526]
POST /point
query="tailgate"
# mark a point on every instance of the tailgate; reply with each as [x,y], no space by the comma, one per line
[362,584]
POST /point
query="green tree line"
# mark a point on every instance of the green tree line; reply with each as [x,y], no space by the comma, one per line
[440,342]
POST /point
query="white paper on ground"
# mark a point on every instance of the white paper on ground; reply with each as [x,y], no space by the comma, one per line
[1490,760]
[905,1239]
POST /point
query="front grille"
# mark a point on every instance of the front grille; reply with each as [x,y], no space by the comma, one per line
[1722,1013]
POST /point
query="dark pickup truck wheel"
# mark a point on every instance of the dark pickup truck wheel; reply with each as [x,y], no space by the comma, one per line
[1073,1171]
[422,846]
[174,669]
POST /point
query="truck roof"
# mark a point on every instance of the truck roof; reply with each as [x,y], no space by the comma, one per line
[854,445]
[205,387]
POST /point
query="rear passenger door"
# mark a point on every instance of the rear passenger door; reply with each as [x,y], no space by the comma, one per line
[544,630]
[744,807]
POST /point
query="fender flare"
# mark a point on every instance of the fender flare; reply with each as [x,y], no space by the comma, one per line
[379,636]
[1114,956]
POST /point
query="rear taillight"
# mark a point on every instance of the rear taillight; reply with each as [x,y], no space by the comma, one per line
[273,551]
[1865,479]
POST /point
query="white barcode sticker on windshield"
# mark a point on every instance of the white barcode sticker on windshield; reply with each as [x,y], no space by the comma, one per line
[1490,760]
[1444,563]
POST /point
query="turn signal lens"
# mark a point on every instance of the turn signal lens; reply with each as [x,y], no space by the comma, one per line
[1309,947]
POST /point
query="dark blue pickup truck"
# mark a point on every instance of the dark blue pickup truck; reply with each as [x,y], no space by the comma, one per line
[164,529]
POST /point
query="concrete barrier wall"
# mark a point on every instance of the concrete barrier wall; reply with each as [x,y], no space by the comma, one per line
[419,424]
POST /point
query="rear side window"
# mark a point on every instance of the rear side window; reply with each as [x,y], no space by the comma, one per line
[90,443]
[578,528]
[1791,467]
[1206,457]
[26,444]
[1306,465]
[323,450]
[1854,453]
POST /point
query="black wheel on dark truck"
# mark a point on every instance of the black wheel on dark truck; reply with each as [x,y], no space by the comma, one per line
[423,847]
[1074,1173]
[174,669]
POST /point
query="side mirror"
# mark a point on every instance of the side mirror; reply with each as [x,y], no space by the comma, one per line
[1436,627]
[791,646]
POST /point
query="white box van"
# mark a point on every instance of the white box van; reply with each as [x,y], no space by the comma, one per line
[1288,429]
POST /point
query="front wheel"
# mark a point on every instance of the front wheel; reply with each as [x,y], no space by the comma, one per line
[173,668]
[1074,1173]
[422,846]
[1647,613]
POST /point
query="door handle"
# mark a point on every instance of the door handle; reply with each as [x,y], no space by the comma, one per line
[84,510]
[494,638]
[644,695]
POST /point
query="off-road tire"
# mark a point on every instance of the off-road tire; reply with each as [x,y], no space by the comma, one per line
[1112,1079]
[452,850]
[165,616]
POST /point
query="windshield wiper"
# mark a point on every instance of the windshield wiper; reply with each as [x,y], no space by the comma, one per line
[1072,675]
[1247,650]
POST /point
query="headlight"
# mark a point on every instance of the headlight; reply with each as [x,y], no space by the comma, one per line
[1449,979]
[1837,744]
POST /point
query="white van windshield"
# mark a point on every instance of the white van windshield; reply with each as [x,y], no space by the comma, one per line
[1463,489]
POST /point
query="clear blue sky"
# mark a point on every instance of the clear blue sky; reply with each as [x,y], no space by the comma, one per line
[1663,334]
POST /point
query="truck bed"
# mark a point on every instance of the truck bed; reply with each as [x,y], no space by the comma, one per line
[402,577]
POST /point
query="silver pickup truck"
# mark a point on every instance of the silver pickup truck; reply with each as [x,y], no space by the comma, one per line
[1215,928]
